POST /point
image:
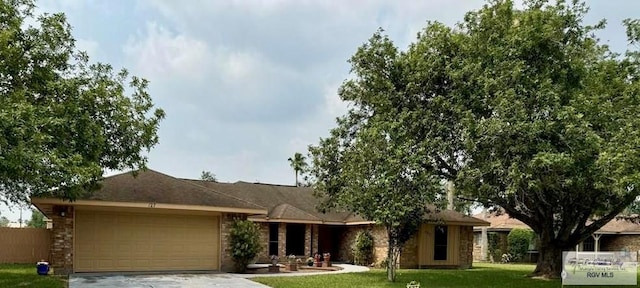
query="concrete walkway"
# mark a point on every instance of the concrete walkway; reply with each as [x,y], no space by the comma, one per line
[190,280]
[346,268]
[162,281]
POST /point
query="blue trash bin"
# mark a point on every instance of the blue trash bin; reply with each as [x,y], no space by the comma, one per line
[42,267]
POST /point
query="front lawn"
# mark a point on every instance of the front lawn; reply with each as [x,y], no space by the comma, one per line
[481,275]
[24,275]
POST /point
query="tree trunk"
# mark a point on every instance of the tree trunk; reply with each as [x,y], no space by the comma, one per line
[297,178]
[549,263]
[391,263]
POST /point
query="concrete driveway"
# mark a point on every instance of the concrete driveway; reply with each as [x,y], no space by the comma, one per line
[164,280]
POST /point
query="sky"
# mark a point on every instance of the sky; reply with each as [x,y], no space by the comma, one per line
[246,84]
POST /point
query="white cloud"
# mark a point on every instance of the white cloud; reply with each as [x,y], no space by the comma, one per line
[159,54]
[90,46]
[334,106]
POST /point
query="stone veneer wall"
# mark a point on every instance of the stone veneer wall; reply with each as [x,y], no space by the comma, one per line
[629,243]
[226,262]
[379,234]
[409,256]
[311,230]
[62,240]
[263,256]
[466,247]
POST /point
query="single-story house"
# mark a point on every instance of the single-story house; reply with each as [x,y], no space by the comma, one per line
[617,235]
[156,222]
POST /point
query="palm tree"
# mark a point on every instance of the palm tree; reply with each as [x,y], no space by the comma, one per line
[298,164]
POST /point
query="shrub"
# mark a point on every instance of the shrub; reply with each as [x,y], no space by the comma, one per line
[244,242]
[363,248]
[519,240]
[492,243]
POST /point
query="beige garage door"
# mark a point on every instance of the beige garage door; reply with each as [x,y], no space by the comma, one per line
[108,241]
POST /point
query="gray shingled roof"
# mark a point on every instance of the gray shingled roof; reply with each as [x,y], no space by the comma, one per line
[284,203]
[152,186]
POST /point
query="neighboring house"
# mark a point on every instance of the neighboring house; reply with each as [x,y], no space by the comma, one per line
[155,222]
[16,225]
[617,235]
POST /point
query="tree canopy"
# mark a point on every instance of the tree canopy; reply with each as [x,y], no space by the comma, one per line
[63,120]
[37,219]
[524,109]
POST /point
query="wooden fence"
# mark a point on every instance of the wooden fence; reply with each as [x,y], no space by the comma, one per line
[24,245]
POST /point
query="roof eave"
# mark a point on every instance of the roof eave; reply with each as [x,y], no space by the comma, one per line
[147,205]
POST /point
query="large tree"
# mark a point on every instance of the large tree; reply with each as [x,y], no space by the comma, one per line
[368,164]
[63,120]
[523,109]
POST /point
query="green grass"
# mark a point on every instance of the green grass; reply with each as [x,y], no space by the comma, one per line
[24,275]
[481,275]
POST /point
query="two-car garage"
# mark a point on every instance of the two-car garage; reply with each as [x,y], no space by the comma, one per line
[128,241]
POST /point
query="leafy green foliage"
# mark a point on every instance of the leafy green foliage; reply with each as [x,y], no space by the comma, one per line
[363,248]
[519,240]
[493,247]
[370,164]
[244,243]
[37,219]
[523,109]
[63,119]
[4,221]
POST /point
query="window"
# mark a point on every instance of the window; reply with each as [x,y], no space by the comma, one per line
[295,239]
[273,238]
[440,243]
[588,244]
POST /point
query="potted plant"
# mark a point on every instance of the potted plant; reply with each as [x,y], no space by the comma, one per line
[316,260]
[274,264]
[310,261]
[326,257]
[292,265]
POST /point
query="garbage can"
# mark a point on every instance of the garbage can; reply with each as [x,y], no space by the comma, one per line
[42,267]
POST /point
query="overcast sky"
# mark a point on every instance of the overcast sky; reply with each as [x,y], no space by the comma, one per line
[246,84]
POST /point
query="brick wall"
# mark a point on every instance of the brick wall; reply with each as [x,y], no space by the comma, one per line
[311,230]
[629,243]
[409,257]
[379,234]
[62,240]
[226,262]
[477,248]
[466,247]
[263,256]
